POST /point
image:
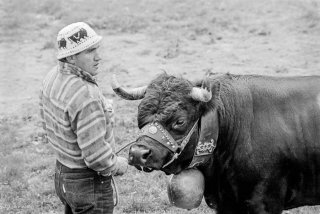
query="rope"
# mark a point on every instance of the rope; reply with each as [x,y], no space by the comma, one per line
[125,146]
[115,187]
[113,181]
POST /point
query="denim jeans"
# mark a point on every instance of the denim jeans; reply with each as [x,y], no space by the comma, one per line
[83,190]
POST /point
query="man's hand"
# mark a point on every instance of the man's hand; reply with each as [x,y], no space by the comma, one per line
[122,166]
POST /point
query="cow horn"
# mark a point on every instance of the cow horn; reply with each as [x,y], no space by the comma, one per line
[128,94]
[201,94]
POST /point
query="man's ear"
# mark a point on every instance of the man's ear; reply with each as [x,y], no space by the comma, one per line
[71,59]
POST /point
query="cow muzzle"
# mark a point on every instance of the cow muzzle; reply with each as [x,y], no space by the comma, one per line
[141,157]
[138,155]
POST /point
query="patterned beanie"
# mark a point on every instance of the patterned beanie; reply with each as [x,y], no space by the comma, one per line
[75,38]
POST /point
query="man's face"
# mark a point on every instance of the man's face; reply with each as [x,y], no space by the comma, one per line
[88,60]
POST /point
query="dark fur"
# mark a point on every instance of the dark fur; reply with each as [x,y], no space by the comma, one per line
[165,95]
[268,152]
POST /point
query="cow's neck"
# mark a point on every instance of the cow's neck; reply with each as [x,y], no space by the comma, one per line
[234,113]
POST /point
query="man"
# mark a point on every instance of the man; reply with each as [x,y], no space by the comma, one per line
[78,123]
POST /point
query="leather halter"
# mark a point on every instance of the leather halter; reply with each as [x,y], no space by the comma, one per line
[157,132]
[209,129]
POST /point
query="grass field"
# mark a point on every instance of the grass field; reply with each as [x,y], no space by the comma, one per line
[186,38]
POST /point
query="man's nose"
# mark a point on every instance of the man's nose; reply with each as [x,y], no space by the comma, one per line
[97,57]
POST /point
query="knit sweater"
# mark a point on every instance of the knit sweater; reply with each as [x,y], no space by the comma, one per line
[77,119]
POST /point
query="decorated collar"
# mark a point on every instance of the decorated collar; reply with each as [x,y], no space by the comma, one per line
[156,131]
[209,131]
[72,69]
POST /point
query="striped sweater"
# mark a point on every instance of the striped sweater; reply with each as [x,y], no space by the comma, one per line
[77,120]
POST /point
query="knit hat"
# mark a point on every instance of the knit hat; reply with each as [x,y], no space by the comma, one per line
[75,38]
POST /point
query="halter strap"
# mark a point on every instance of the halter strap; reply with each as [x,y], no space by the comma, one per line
[157,132]
[183,145]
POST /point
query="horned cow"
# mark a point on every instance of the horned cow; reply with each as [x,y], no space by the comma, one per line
[260,136]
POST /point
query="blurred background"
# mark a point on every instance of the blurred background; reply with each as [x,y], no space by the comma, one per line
[141,39]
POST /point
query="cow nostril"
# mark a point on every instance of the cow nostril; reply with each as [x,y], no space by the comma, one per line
[146,155]
[138,155]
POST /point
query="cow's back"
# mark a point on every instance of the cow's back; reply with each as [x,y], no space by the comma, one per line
[286,112]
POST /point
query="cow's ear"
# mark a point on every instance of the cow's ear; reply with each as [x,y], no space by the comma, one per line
[213,86]
[206,84]
[215,99]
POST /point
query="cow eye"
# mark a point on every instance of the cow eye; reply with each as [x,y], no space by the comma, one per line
[178,123]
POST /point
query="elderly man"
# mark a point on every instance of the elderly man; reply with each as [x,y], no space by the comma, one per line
[78,123]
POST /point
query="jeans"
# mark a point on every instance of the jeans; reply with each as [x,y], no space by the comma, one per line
[83,190]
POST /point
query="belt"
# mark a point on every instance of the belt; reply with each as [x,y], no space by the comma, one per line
[64,169]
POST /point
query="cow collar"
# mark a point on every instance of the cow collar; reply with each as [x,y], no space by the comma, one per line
[209,131]
[206,143]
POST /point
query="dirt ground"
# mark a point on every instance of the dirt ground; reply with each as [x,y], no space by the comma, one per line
[142,38]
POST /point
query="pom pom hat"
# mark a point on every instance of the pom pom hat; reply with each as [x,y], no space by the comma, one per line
[75,38]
